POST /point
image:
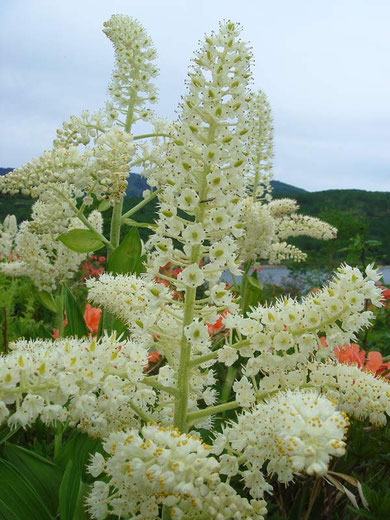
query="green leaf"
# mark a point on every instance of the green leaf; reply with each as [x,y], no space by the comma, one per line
[18,499]
[126,258]
[80,513]
[254,290]
[148,225]
[76,324]
[81,240]
[6,433]
[254,282]
[104,206]
[78,449]
[47,300]
[41,473]
[69,492]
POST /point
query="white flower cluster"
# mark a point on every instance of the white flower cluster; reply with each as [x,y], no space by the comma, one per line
[109,168]
[205,164]
[268,225]
[89,384]
[359,394]
[158,465]
[135,301]
[59,166]
[261,147]
[150,314]
[287,334]
[84,128]
[219,149]
[38,252]
[132,87]
[8,232]
[101,170]
[292,432]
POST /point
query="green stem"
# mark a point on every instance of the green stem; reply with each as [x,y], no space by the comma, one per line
[213,355]
[232,371]
[115,232]
[228,383]
[211,410]
[130,111]
[165,513]
[58,439]
[180,418]
[83,218]
[244,287]
[183,380]
[140,205]
[155,384]
[60,313]
[143,415]
[143,136]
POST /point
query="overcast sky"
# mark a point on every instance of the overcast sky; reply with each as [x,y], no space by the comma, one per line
[323,63]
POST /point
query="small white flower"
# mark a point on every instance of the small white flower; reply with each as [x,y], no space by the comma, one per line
[191,276]
[227,355]
[245,394]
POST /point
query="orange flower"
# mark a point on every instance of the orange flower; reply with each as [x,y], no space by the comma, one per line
[216,327]
[350,354]
[92,318]
[153,357]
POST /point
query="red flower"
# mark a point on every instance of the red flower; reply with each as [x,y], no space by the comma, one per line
[92,318]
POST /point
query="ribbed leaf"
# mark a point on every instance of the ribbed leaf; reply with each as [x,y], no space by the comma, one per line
[81,240]
[42,474]
[6,433]
[76,324]
[18,499]
[69,492]
[47,300]
[78,449]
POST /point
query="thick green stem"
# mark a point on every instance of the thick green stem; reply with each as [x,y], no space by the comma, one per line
[115,232]
[180,419]
[183,381]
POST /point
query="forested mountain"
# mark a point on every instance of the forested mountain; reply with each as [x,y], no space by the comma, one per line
[354,212]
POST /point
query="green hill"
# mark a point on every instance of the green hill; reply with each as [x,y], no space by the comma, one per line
[353,212]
